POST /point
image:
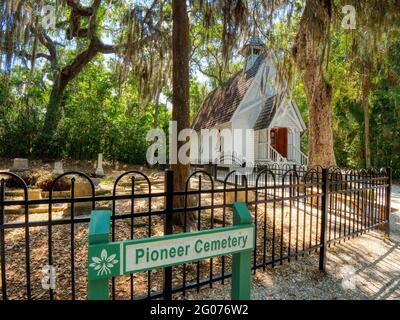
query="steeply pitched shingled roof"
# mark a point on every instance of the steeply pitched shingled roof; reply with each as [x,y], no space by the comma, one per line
[267,113]
[219,106]
[255,41]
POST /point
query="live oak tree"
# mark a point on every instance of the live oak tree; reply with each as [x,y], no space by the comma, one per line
[25,37]
[63,75]
[309,52]
[374,19]
[368,50]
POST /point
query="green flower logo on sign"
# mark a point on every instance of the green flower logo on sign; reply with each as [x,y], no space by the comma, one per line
[104,263]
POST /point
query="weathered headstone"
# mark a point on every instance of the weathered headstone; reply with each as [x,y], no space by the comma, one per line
[82,190]
[20,164]
[99,169]
[35,194]
[58,168]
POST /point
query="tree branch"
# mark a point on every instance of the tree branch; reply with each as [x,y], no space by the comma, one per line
[26,55]
[116,48]
[46,41]
[95,46]
[79,11]
[210,75]
[78,8]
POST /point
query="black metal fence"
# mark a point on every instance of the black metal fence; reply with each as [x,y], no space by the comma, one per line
[296,212]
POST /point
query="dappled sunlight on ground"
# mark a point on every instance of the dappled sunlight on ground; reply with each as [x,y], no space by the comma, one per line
[366,267]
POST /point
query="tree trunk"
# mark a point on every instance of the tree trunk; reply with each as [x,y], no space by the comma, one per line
[366,87]
[309,52]
[180,96]
[45,145]
[156,107]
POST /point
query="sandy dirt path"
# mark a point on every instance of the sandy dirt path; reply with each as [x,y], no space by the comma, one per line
[367,267]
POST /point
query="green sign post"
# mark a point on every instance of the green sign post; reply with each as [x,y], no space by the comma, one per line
[110,259]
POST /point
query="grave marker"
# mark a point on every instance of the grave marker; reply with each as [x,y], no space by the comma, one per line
[99,169]
[82,190]
[58,168]
[20,164]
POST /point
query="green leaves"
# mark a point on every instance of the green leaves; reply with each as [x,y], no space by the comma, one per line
[98,116]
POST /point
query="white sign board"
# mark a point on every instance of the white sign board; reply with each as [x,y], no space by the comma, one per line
[181,248]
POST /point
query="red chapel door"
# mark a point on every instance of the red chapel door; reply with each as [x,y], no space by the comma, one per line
[279,140]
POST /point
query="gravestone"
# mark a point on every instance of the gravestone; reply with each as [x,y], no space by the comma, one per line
[20,164]
[99,169]
[82,190]
[35,194]
[58,168]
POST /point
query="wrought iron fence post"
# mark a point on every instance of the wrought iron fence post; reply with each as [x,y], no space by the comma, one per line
[215,171]
[388,201]
[169,206]
[324,220]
